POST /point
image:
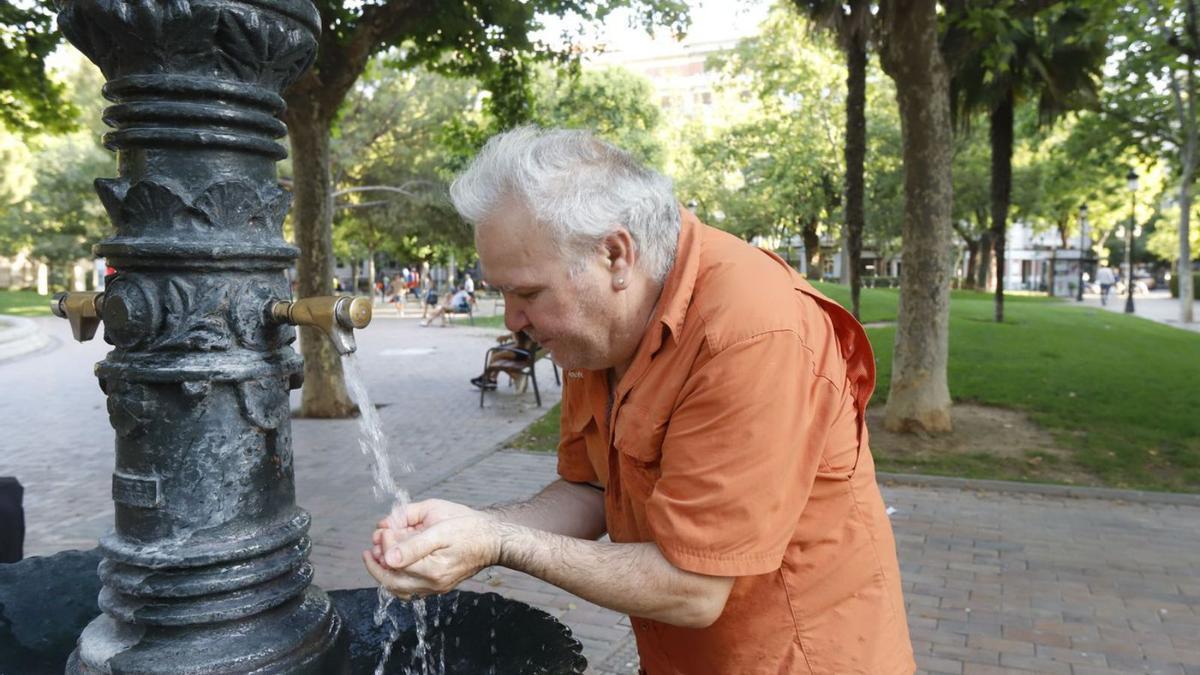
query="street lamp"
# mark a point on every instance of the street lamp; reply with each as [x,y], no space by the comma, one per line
[1082,244]
[1131,179]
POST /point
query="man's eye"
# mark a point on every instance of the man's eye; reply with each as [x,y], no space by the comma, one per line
[528,295]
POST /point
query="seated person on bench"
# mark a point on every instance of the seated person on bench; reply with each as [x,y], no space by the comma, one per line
[503,360]
[460,302]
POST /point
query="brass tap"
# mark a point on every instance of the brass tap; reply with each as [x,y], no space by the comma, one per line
[82,309]
[336,315]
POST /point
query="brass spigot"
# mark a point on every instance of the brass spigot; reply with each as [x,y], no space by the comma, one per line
[82,309]
[336,315]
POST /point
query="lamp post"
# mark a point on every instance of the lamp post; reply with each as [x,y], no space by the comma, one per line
[1131,179]
[1082,245]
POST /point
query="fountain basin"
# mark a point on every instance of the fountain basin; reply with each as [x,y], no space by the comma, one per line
[45,603]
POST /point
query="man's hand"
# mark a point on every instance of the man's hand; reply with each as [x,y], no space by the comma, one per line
[431,547]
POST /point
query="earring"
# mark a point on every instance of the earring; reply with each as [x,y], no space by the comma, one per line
[620,282]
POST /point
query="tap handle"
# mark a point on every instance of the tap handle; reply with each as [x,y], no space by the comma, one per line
[353,312]
[336,316]
[82,309]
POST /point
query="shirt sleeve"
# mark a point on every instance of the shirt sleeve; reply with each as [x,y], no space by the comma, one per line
[740,457]
[573,462]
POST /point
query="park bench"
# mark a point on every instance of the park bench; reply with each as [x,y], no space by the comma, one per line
[470,314]
[522,370]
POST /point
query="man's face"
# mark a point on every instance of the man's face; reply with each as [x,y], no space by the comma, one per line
[572,316]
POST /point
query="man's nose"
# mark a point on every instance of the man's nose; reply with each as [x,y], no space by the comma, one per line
[514,316]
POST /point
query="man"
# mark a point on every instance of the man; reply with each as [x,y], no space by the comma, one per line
[1104,277]
[712,425]
[459,302]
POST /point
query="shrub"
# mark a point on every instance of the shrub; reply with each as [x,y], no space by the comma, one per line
[1195,285]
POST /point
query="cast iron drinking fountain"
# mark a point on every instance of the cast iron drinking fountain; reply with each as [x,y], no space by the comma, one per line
[206,570]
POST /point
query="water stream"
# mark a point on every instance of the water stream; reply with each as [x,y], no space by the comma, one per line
[373,443]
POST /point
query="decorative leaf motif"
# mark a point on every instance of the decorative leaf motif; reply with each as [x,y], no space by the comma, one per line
[193,320]
[296,54]
[112,193]
[130,407]
[150,202]
[228,205]
[241,44]
[262,51]
[150,36]
[247,316]
[274,202]
[85,31]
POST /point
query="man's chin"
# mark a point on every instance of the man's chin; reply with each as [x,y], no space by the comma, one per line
[564,361]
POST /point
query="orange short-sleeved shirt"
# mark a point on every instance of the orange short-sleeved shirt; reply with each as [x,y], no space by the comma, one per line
[736,442]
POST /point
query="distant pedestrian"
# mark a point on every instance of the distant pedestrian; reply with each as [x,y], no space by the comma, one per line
[469,287]
[1104,277]
[459,302]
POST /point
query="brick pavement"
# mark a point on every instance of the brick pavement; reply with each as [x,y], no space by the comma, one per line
[994,583]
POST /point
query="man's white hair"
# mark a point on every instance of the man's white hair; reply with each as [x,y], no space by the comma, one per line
[578,187]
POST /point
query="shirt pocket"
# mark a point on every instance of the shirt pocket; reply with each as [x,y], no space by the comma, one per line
[637,462]
[638,437]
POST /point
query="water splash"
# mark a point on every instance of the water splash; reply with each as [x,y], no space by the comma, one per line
[373,443]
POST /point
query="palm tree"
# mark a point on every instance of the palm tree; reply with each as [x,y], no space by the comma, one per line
[851,22]
[1054,55]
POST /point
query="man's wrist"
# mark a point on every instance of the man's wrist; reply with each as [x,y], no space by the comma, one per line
[508,538]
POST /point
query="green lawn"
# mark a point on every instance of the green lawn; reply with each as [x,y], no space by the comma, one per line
[24,303]
[1118,393]
[489,321]
[542,435]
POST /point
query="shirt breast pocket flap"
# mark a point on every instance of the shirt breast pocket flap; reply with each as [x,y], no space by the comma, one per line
[578,423]
[638,436]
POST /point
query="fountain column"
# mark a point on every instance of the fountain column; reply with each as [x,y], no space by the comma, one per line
[207,568]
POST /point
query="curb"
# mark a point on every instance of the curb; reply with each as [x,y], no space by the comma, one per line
[20,336]
[1043,489]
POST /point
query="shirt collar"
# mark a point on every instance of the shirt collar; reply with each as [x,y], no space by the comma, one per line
[676,294]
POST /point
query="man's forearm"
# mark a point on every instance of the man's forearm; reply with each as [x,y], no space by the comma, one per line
[570,509]
[632,578]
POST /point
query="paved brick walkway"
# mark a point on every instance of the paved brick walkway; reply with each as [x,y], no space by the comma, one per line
[994,582]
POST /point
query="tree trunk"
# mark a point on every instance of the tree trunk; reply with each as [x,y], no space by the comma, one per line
[919,397]
[972,263]
[371,273]
[812,248]
[856,151]
[1187,293]
[324,393]
[1002,148]
[984,270]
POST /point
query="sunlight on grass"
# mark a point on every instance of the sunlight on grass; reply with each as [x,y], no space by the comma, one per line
[24,303]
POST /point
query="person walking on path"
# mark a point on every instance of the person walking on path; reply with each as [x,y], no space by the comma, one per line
[713,425]
[1105,278]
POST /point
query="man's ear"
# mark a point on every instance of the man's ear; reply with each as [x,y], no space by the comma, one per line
[621,255]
